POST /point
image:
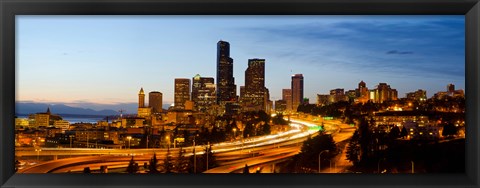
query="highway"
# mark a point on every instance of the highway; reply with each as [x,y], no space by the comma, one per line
[231,156]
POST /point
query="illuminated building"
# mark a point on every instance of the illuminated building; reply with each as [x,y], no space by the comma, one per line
[322,100]
[182,92]
[226,88]
[383,92]
[450,92]
[287,97]
[142,111]
[61,124]
[155,101]
[254,95]
[203,93]
[297,91]
[419,95]
[363,93]
[44,119]
[141,98]
[280,106]
[337,95]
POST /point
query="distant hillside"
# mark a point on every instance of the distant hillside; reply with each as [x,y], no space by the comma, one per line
[31,108]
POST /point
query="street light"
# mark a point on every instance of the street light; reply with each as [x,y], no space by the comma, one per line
[129,138]
[168,141]
[38,150]
[234,133]
[320,160]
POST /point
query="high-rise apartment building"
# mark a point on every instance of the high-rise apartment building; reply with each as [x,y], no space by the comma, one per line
[297,91]
[181,93]
[383,92]
[155,101]
[226,88]
[203,92]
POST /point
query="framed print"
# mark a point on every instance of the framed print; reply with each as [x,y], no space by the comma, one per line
[255,93]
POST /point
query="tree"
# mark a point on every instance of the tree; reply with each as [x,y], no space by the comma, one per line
[132,168]
[353,149]
[311,148]
[449,130]
[394,132]
[181,165]
[87,170]
[364,139]
[167,164]
[278,120]
[208,156]
[246,170]
[404,132]
[152,168]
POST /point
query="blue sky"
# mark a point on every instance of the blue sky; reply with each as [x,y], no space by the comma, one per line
[106,59]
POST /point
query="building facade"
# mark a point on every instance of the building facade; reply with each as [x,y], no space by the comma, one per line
[287,97]
[254,95]
[155,101]
[203,93]
[226,88]
[297,91]
[181,92]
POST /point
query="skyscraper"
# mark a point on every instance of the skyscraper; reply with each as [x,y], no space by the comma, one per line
[203,92]
[155,101]
[182,92]
[141,98]
[287,97]
[297,91]
[254,96]
[226,88]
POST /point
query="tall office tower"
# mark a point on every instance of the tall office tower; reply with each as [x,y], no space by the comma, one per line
[297,91]
[155,101]
[287,97]
[141,98]
[203,92]
[254,95]
[182,92]
[226,88]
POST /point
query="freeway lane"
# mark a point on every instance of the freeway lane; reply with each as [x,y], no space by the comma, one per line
[263,149]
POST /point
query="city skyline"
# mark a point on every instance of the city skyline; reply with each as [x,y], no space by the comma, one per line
[127,55]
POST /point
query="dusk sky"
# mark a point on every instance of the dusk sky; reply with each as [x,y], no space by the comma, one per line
[80,60]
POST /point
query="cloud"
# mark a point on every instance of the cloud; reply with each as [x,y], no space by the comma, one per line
[436,45]
[399,52]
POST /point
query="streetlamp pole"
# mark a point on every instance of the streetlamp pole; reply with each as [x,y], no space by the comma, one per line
[194,158]
[208,147]
[413,166]
[319,159]
[70,140]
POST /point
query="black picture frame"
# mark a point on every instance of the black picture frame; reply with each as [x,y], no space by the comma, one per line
[10,8]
